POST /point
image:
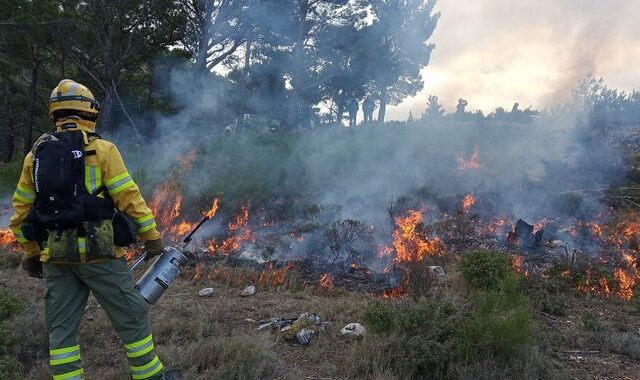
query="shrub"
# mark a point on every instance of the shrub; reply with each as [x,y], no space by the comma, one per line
[9,368]
[9,259]
[485,269]
[425,357]
[9,305]
[379,316]
[590,321]
[239,357]
[501,325]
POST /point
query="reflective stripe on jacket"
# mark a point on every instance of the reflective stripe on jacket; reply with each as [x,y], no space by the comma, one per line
[105,167]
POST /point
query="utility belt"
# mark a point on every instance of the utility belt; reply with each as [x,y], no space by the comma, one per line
[85,243]
[88,231]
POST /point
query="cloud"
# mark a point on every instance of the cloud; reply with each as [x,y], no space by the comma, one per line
[494,53]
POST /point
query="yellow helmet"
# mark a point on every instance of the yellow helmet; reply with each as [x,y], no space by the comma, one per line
[70,95]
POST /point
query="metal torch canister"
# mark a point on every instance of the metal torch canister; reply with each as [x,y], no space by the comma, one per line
[161,274]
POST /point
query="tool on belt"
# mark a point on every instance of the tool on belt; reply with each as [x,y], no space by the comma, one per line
[164,270]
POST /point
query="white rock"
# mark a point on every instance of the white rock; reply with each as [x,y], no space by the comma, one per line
[437,271]
[206,292]
[248,291]
[354,329]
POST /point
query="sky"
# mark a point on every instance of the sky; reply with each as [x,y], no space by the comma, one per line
[496,52]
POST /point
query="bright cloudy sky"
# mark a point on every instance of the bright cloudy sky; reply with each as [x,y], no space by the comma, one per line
[496,52]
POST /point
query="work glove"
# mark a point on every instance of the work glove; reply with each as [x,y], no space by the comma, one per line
[154,248]
[32,266]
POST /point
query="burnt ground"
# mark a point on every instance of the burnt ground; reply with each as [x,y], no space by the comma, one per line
[583,336]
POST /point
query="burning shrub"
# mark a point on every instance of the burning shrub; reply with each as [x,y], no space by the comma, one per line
[486,269]
[348,240]
[419,280]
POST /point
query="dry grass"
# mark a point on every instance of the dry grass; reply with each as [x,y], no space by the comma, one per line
[209,338]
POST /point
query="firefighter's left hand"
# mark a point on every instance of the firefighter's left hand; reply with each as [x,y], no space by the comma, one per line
[154,248]
[32,266]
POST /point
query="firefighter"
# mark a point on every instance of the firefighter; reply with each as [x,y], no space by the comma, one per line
[367,107]
[68,236]
[353,112]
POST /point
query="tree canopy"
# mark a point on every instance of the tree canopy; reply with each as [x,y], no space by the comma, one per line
[296,61]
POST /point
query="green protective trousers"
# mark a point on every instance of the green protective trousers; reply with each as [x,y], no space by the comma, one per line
[68,287]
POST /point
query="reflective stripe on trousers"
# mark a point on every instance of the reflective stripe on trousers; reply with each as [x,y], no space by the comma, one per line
[66,363]
[143,362]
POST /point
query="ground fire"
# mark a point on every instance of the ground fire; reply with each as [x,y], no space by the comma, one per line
[608,240]
[382,260]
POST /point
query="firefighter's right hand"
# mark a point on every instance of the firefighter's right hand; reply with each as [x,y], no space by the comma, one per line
[32,266]
[154,248]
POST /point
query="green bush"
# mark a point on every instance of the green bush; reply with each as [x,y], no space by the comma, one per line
[590,321]
[9,368]
[9,305]
[379,316]
[433,338]
[9,174]
[486,269]
[501,325]
[425,357]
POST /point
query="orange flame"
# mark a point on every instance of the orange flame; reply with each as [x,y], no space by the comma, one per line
[467,202]
[212,211]
[239,231]
[518,266]
[7,237]
[472,163]
[272,276]
[409,243]
[326,281]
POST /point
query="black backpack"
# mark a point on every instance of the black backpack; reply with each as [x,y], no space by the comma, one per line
[62,200]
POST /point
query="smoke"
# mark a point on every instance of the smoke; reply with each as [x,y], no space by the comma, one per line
[528,171]
[494,53]
[553,167]
[545,169]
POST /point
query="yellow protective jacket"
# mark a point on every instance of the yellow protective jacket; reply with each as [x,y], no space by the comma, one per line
[105,167]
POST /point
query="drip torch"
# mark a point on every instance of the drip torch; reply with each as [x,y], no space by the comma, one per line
[164,270]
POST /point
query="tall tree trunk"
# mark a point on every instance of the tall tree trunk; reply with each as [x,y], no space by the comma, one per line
[247,66]
[383,105]
[6,128]
[202,54]
[28,128]
[108,109]
[298,70]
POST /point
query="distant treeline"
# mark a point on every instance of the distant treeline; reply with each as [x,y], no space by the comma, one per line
[287,64]
[283,59]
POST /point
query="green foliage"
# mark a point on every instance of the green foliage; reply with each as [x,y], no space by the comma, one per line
[501,326]
[486,269]
[9,305]
[379,316]
[437,339]
[590,321]
[9,174]
[9,368]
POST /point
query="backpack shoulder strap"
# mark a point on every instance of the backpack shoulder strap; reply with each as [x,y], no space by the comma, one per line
[93,135]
